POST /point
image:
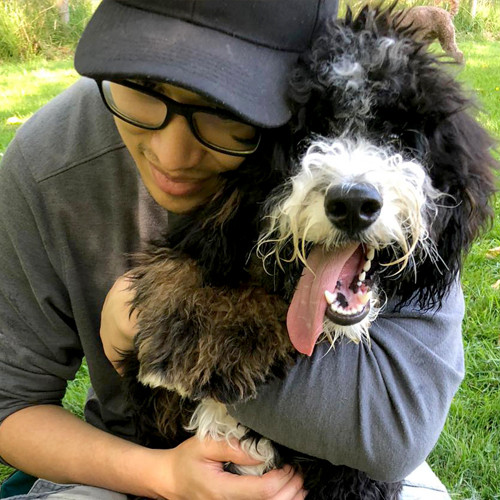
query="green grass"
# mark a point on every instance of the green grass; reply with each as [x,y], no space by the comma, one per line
[467,456]
[76,392]
[482,75]
[485,25]
[33,28]
[24,88]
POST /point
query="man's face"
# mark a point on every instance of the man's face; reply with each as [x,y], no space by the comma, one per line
[179,172]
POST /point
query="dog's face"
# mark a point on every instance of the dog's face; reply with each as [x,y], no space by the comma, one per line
[367,210]
[391,184]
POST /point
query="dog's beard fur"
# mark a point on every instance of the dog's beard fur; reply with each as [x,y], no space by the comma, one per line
[371,107]
[298,216]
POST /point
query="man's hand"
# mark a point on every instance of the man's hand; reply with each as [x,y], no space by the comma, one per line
[196,473]
[118,324]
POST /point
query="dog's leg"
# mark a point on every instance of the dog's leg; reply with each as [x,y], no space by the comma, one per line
[448,43]
[202,341]
[211,419]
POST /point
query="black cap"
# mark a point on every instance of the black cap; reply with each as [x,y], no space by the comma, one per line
[235,52]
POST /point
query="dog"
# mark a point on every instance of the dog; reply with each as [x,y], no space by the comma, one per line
[375,190]
[436,23]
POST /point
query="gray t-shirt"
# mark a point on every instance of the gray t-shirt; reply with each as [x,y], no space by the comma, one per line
[72,210]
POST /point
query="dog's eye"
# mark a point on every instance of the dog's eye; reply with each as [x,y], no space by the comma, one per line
[396,142]
[394,138]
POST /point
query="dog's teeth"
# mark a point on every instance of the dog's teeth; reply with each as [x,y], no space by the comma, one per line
[336,307]
[347,312]
[367,266]
[365,298]
[362,277]
[370,254]
[330,297]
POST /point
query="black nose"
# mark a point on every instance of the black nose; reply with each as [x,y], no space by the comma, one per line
[354,207]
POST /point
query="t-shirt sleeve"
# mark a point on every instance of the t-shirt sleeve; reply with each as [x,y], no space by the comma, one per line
[39,347]
[377,408]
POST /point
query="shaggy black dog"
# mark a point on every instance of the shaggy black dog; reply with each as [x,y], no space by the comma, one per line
[375,190]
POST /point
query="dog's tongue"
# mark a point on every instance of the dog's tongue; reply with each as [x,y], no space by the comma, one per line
[307,309]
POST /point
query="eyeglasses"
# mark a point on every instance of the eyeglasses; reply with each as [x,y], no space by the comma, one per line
[216,129]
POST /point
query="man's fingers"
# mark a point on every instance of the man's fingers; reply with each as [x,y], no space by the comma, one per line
[287,481]
[278,484]
[292,489]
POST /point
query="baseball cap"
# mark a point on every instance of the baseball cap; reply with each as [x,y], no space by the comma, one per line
[238,53]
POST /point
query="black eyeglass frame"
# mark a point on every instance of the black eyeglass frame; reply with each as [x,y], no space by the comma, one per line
[176,108]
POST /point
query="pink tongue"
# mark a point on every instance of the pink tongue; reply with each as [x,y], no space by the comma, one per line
[307,309]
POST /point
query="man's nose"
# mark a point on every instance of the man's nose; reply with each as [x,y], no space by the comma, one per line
[175,146]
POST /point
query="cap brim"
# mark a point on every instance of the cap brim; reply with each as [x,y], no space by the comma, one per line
[250,80]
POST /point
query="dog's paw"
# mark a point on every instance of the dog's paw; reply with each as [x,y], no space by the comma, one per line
[211,419]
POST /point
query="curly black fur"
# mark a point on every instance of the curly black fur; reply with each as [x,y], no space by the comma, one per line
[404,98]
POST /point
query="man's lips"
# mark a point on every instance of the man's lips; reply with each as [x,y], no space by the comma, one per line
[176,186]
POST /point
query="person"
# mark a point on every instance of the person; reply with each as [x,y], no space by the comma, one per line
[174,94]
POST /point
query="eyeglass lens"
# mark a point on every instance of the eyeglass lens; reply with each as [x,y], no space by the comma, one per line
[150,112]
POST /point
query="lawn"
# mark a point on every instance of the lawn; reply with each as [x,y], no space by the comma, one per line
[26,87]
[467,456]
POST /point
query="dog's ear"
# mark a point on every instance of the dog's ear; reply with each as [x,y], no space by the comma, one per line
[462,167]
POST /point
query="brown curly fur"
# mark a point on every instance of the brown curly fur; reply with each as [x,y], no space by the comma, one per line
[222,330]
[434,23]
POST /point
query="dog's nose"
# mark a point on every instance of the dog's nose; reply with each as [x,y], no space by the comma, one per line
[354,207]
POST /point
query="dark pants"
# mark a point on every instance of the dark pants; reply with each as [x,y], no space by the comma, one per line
[17,483]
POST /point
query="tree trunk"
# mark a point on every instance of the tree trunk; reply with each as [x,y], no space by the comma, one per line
[63,7]
[473,8]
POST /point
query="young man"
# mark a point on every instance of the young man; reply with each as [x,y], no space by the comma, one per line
[81,188]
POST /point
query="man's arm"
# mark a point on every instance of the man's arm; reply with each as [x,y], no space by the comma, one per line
[379,409]
[49,442]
